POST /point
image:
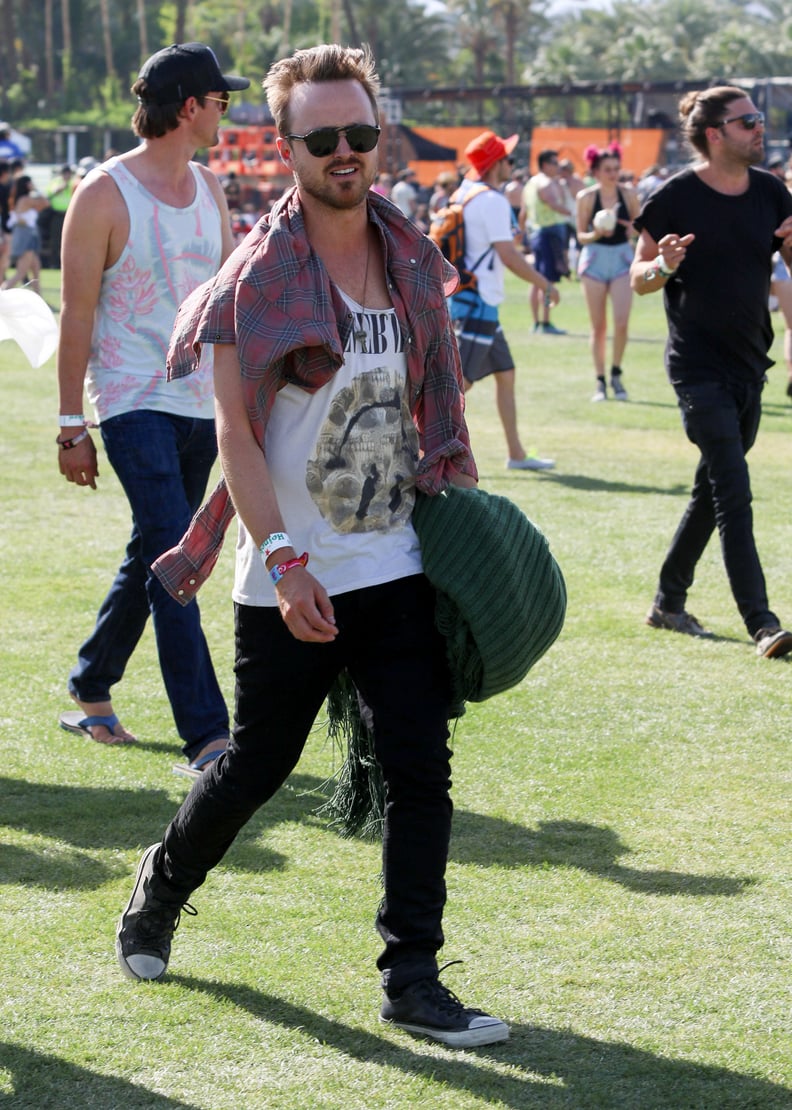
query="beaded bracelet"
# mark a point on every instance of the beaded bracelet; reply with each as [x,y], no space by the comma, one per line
[280,569]
[67,444]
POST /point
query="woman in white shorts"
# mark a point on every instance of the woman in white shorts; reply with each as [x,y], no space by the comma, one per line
[605,212]
[25,204]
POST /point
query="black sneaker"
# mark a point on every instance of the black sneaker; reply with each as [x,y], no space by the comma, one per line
[146,927]
[619,392]
[430,1009]
[771,643]
[677,622]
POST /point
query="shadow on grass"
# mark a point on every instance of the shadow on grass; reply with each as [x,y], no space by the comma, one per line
[57,868]
[547,1068]
[103,818]
[489,840]
[590,484]
[777,408]
[95,817]
[39,1082]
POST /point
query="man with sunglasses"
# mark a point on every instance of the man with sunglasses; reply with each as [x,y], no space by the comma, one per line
[707,237]
[141,232]
[338,393]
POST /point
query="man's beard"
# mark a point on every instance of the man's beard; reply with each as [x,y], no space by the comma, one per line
[339,198]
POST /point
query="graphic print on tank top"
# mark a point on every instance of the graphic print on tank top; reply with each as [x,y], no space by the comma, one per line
[361,477]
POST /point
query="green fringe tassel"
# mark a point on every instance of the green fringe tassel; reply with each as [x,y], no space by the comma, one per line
[357,806]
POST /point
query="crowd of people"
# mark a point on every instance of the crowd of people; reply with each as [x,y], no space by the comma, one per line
[31,221]
[336,403]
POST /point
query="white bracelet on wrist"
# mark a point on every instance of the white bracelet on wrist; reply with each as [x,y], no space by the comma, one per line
[663,267]
[274,542]
[71,420]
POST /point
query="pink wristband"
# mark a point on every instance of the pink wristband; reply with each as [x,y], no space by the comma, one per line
[280,569]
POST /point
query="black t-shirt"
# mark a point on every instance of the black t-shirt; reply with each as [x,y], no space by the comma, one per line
[718,319]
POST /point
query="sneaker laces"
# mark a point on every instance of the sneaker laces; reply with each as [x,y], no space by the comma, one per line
[155,922]
[443,996]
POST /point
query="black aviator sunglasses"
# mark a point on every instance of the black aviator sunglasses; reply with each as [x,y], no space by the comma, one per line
[749,120]
[361,137]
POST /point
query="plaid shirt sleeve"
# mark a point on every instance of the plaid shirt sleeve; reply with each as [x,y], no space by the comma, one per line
[185,568]
[421,280]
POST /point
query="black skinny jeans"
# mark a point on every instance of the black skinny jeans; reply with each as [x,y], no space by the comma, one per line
[722,420]
[388,642]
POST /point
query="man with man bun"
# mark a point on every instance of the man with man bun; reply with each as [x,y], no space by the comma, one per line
[707,237]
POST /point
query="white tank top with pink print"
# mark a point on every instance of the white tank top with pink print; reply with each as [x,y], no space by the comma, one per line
[170,251]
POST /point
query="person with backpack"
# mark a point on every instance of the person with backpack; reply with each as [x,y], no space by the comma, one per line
[490,249]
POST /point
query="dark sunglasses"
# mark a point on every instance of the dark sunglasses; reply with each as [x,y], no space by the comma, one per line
[361,137]
[221,100]
[749,120]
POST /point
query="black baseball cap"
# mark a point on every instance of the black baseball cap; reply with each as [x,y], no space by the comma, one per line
[182,70]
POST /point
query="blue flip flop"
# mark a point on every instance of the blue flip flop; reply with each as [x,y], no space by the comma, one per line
[195,769]
[74,721]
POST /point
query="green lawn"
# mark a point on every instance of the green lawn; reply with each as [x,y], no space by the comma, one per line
[619,884]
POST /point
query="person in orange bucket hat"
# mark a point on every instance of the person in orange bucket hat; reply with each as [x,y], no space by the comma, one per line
[490,250]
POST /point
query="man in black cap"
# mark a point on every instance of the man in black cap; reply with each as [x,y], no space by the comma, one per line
[142,231]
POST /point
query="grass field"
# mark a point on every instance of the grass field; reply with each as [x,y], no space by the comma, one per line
[619,883]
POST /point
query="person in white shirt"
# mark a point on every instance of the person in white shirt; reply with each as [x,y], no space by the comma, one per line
[404,194]
[491,249]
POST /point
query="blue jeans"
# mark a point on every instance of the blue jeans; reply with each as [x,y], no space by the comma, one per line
[722,420]
[163,463]
[388,642]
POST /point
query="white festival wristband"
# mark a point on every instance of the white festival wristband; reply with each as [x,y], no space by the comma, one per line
[663,266]
[274,542]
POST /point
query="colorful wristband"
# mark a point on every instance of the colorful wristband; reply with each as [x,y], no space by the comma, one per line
[280,569]
[72,420]
[67,444]
[274,542]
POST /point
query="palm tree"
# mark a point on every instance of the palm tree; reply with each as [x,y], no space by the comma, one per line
[476,32]
[9,65]
[49,63]
[104,9]
[142,28]
[67,64]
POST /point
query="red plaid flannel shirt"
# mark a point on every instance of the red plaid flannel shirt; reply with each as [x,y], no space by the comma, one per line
[273,299]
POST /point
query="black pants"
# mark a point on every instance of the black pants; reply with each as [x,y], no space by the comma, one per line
[388,642]
[722,421]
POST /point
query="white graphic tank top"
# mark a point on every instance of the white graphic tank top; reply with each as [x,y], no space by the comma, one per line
[169,252]
[343,463]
